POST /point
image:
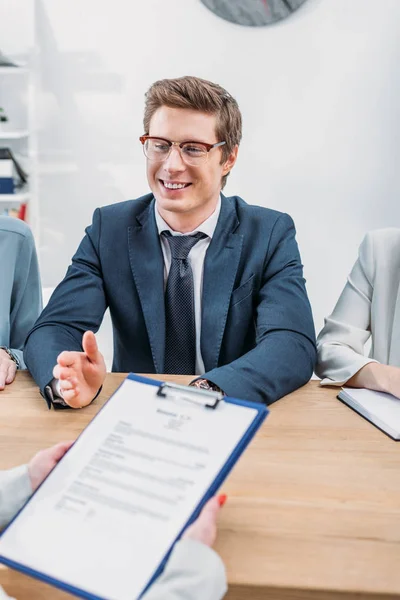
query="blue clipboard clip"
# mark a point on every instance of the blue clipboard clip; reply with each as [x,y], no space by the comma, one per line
[206,398]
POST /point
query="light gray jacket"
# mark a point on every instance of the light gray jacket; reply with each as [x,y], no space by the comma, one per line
[193,572]
[368,307]
[20,289]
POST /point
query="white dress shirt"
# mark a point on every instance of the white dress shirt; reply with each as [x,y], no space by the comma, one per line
[196,258]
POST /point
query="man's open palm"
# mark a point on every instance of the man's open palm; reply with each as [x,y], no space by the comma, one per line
[81,374]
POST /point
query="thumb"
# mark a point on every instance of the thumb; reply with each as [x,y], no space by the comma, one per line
[210,511]
[60,449]
[89,345]
[204,529]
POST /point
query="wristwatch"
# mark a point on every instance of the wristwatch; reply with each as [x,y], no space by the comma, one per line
[11,355]
[204,384]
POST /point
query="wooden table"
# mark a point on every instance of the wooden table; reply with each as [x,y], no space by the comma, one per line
[313,506]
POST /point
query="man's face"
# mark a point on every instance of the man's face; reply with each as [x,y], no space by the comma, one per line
[197,200]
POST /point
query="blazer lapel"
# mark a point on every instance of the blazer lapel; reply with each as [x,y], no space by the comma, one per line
[220,268]
[147,266]
[394,351]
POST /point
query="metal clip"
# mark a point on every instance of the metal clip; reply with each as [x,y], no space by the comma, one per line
[206,398]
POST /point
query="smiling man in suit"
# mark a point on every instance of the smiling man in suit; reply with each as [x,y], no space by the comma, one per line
[196,282]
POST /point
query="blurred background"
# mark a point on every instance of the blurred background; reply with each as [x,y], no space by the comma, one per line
[319,93]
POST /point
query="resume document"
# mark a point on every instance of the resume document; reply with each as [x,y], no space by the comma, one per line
[108,514]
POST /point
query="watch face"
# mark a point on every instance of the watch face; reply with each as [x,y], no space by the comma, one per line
[254,13]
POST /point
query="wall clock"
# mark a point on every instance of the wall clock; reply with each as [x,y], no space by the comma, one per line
[254,13]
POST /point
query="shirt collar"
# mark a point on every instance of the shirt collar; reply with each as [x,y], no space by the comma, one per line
[208,226]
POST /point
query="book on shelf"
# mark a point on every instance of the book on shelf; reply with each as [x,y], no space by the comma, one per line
[7,155]
[9,167]
[17,213]
[6,176]
[22,211]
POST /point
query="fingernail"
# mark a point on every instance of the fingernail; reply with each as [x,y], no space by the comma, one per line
[222,499]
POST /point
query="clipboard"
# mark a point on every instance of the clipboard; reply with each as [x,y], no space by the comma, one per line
[47,525]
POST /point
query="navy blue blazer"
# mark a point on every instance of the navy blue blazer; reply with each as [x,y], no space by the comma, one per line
[257,332]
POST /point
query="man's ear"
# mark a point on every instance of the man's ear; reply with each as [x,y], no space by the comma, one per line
[230,161]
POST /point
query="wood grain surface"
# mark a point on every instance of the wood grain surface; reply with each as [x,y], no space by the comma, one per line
[313,506]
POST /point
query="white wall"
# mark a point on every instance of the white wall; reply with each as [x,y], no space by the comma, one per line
[319,92]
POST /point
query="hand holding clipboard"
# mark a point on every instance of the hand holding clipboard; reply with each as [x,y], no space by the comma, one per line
[137,475]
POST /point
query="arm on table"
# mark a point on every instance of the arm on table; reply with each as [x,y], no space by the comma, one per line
[61,325]
[284,356]
[341,342]
[26,304]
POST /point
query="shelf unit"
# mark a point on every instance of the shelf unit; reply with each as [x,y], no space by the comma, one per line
[13,135]
[17,70]
[17,98]
[14,200]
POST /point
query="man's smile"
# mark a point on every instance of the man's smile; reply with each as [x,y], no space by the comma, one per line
[174,185]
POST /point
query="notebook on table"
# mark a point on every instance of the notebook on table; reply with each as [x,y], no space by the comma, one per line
[382,410]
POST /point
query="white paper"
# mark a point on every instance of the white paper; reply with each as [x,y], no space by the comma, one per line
[109,512]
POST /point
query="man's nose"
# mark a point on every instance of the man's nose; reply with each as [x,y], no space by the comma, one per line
[174,162]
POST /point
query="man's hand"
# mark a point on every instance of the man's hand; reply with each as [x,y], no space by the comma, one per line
[8,368]
[204,529]
[44,461]
[81,374]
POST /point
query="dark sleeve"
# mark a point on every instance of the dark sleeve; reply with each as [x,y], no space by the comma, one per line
[77,305]
[284,356]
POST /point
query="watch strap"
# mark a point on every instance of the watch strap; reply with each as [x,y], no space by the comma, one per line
[205,384]
[11,355]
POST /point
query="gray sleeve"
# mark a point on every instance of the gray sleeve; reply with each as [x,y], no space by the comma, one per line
[193,572]
[15,489]
[26,299]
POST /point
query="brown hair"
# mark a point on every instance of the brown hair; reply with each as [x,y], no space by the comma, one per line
[198,94]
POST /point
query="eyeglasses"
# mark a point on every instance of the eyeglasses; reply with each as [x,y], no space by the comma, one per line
[192,153]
